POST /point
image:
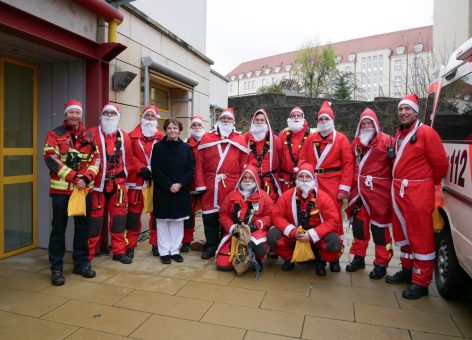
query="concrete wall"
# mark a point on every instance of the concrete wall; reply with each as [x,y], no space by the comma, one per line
[185,18]
[218,90]
[143,40]
[63,13]
[452,27]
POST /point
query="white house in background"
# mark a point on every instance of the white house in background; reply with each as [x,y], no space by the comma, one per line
[218,94]
[380,64]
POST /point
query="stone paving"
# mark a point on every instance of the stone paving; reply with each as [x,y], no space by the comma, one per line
[191,300]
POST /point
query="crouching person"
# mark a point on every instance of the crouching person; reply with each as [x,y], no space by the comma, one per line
[250,205]
[312,209]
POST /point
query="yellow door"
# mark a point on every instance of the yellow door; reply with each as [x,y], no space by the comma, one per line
[18,157]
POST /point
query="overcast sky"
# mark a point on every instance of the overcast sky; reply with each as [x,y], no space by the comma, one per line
[243,30]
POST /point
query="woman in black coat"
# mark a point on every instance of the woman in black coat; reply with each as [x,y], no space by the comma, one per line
[172,166]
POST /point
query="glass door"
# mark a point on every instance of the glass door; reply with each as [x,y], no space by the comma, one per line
[18,173]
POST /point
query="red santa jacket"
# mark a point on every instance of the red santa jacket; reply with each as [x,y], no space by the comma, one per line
[335,157]
[323,219]
[372,179]
[142,149]
[220,161]
[260,202]
[420,154]
[292,143]
[194,146]
[125,165]
[67,154]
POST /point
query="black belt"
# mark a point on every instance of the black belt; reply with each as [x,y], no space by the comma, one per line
[267,174]
[112,177]
[322,171]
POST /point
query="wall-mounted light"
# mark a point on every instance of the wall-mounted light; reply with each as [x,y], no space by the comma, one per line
[121,80]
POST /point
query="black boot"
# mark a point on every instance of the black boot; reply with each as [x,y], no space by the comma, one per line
[155,251]
[334,266]
[208,253]
[57,279]
[414,292]
[130,252]
[185,248]
[84,270]
[356,263]
[122,258]
[288,266]
[378,272]
[402,276]
[320,267]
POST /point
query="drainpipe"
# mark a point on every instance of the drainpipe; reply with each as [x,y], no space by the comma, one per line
[105,11]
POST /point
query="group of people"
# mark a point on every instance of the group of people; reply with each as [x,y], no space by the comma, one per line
[286,188]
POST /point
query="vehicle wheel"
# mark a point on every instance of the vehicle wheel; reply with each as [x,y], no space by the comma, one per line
[447,272]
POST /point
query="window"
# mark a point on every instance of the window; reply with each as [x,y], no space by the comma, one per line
[231,88]
[418,47]
[277,69]
[245,85]
[417,62]
[416,79]
[249,74]
[274,80]
[160,97]
[267,70]
[351,57]
[258,73]
[338,59]
[241,75]
[348,69]
[288,67]
[453,117]
[397,81]
[400,50]
[233,78]
[253,84]
[397,65]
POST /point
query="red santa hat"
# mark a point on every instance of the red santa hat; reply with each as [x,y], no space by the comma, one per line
[229,112]
[410,100]
[72,105]
[306,168]
[196,119]
[297,109]
[153,109]
[326,110]
[111,107]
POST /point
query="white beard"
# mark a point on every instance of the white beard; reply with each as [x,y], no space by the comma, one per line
[326,128]
[366,135]
[259,131]
[246,189]
[295,125]
[305,187]
[109,124]
[148,127]
[225,128]
[197,133]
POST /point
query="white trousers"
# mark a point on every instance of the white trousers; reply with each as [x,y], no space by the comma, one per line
[169,236]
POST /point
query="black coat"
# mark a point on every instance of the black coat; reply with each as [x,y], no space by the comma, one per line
[172,162]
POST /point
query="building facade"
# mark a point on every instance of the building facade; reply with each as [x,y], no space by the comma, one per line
[389,65]
[55,50]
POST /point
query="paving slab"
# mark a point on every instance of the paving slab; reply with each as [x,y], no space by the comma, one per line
[198,274]
[253,335]
[268,283]
[89,334]
[24,280]
[464,324]
[430,336]
[147,282]
[177,329]
[140,267]
[28,303]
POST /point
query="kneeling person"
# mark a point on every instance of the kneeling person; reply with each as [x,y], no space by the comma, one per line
[315,212]
[250,205]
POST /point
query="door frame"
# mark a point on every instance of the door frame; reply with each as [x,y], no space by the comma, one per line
[20,152]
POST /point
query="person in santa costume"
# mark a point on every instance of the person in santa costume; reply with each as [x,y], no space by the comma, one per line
[264,153]
[248,204]
[222,155]
[143,138]
[420,164]
[369,202]
[196,132]
[292,139]
[309,207]
[73,159]
[110,195]
[329,152]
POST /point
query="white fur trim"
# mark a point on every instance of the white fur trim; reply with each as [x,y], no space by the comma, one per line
[344,187]
[261,224]
[410,103]
[227,114]
[313,235]
[110,108]
[306,172]
[71,107]
[325,115]
[288,229]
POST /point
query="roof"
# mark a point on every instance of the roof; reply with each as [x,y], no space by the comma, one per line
[390,41]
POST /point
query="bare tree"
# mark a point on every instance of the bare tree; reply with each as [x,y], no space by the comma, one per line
[314,65]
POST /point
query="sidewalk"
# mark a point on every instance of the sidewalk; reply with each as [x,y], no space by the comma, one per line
[191,300]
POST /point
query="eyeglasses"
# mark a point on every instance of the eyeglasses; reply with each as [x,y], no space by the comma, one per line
[109,113]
